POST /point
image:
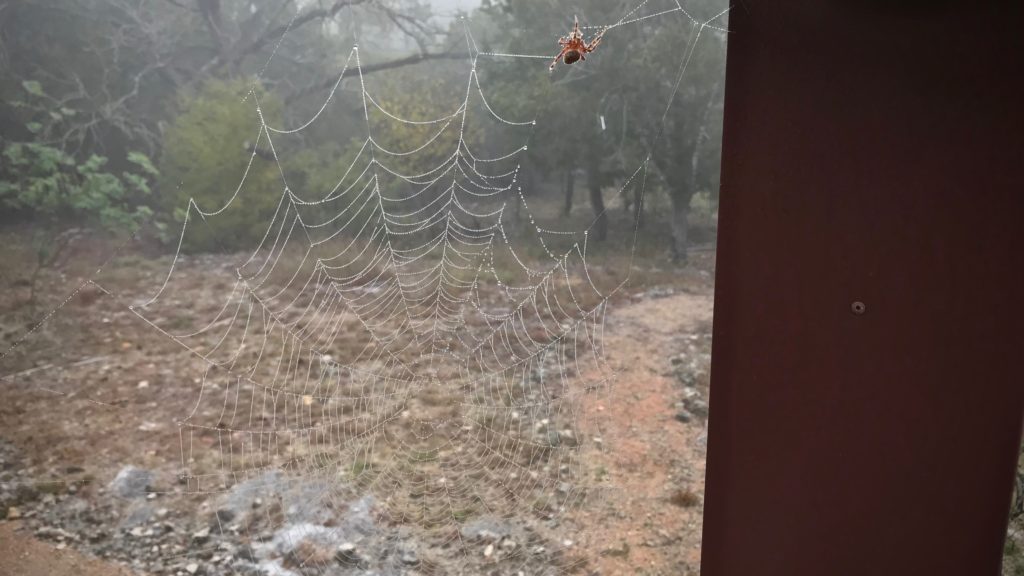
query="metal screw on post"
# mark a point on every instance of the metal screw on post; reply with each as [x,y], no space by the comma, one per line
[858,308]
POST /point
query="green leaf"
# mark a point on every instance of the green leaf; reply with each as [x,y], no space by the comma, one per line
[143,162]
[33,87]
[34,127]
[92,165]
[139,183]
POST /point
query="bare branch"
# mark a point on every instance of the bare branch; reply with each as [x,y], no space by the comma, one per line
[271,35]
[378,67]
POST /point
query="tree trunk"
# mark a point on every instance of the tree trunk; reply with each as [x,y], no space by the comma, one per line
[570,189]
[597,203]
[680,211]
[638,202]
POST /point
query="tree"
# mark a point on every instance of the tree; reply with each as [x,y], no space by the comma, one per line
[606,116]
[207,151]
[127,68]
[685,94]
[40,180]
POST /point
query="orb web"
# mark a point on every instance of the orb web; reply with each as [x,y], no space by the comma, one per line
[388,343]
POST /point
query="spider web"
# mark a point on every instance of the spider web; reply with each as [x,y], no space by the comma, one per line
[388,337]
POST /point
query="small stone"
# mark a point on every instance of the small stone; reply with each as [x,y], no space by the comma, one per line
[346,554]
[13,513]
[409,557]
[192,568]
[489,551]
[698,407]
[568,437]
[143,384]
[201,536]
[131,482]
[684,416]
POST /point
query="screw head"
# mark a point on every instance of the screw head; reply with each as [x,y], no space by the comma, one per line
[858,308]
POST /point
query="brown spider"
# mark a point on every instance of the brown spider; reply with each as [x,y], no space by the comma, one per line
[574,48]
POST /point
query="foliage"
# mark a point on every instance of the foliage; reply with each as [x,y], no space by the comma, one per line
[206,153]
[44,181]
[433,97]
[94,79]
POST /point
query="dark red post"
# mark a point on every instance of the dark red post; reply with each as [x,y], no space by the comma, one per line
[868,365]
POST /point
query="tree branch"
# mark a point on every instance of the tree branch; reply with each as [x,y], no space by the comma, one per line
[378,67]
[272,34]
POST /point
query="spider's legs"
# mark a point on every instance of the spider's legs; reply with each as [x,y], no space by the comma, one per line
[557,58]
[596,41]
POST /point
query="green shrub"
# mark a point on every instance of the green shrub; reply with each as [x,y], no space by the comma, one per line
[43,181]
[206,151]
[46,182]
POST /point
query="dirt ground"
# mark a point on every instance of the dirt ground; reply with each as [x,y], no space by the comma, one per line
[25,556]
[652,521]
[94,390]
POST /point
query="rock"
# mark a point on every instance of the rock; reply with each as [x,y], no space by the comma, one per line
[192,568]
[246,554]
[409,556]
[137,515]
[684,416]
[489,551]
[13,513]
[568,437]
[201,536]
[485,530]
[554,439]
[225,515]
[697,407]
[295,538]
[347,555]
[131,482]
[617,551]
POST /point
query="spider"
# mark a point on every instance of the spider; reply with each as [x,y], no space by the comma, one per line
[574,48]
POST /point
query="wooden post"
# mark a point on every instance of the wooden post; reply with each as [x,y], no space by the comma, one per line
[867,378]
